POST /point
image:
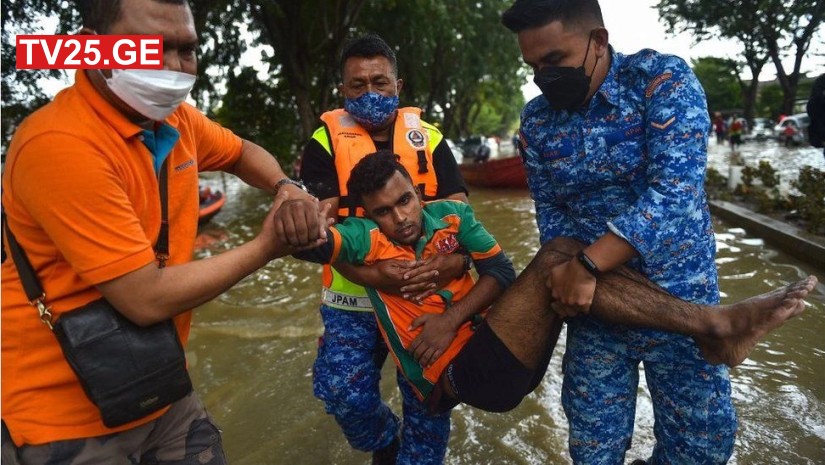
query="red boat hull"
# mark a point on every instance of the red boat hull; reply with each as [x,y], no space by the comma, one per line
[210,205]
[506,173]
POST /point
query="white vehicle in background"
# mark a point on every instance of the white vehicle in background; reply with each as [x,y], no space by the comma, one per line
[762,130]
[793,127]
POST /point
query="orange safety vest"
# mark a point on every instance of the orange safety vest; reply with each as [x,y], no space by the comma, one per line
[349,143]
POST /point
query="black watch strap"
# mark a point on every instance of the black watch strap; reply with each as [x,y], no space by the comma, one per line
[468,262]
[588,264]
[282,182]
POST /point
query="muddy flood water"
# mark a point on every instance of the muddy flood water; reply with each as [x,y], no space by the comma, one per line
[252,350]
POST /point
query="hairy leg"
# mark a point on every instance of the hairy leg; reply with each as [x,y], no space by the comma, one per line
[523,321]
[522,318]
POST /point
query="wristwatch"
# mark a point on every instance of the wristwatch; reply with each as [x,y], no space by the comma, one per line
[468,262]
[282,182]
[588,264]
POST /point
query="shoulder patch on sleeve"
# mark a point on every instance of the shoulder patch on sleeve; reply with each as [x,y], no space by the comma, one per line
[656,82]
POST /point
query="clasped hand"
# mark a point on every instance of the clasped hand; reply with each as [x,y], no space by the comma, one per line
[295,223]
[572,288]
[415,280]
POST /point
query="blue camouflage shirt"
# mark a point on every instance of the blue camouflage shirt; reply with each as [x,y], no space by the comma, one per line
[632,161]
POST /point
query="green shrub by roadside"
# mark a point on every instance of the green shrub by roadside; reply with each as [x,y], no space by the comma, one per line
[759,191]
[811,203]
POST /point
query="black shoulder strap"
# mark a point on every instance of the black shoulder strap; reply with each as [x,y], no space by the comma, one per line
[24,267]
[162,244]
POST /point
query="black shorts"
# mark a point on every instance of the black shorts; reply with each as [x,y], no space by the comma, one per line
[486,375]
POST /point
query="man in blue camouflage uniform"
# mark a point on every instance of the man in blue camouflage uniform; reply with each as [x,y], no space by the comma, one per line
[351,352]
[615,152]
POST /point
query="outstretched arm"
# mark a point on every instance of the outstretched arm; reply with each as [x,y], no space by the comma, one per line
[299,221]
[150,294]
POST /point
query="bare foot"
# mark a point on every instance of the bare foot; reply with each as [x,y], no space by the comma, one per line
[743,324]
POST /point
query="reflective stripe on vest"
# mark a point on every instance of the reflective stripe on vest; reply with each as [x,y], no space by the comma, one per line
[346,301]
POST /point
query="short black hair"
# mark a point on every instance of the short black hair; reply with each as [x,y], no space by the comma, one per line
[368,46]
[528,14]
[372,173]
[101,14]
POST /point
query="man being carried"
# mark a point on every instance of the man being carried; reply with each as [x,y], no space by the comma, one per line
[347,370]
[504,359]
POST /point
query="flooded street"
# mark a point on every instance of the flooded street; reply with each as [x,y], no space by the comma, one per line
[252,350]
[785,160]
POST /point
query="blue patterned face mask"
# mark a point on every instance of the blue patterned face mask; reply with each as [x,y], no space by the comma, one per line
[371,110]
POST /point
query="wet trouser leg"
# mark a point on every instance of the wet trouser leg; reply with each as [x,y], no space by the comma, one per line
[598,396]
[695,421]
[424,436]
[694,417]
[346,378]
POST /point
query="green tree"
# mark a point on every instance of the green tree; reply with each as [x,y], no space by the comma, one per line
[793,26]
[719,77]
[770,101]
[21,93]
[765,28]
[240,111]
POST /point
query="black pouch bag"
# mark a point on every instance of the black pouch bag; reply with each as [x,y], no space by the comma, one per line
[126,370]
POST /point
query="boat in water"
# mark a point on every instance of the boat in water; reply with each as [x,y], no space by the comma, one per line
[210,203]
[497,173]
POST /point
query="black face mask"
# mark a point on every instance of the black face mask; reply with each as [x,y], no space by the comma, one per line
[565,87]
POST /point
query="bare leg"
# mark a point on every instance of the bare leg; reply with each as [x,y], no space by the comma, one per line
[521,318]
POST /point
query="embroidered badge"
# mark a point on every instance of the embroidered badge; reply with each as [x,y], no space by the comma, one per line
[657,81]
[447,245]
[416,139]
[663,126]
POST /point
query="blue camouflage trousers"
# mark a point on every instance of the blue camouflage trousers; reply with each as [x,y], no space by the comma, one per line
[694,418]
[346,377]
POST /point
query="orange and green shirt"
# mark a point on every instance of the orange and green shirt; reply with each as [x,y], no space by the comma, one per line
[447,226]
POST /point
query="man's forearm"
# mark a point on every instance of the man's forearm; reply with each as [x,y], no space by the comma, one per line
[257,167]
[151,294]
[363,275]
[485,291]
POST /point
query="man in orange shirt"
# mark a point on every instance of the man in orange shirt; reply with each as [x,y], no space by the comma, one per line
[81,195]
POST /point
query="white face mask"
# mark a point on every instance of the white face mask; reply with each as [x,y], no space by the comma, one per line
[154,93]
